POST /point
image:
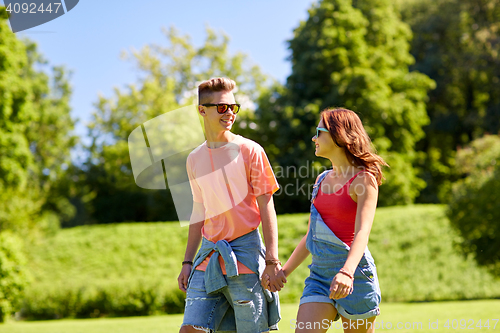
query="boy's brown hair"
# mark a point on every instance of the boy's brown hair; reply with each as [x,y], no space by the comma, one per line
[206,88]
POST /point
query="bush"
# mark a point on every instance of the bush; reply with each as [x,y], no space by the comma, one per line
[122,299]
[474,208]
[111,270]
[13,275]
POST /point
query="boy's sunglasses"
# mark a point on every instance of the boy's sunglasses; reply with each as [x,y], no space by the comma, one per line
[222,108]
[318,129]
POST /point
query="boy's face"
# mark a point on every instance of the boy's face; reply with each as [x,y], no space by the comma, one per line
[215,120]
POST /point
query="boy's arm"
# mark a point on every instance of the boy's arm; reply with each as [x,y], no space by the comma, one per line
[270,231]
[194,239]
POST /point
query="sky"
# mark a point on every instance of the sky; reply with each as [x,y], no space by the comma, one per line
[89,39]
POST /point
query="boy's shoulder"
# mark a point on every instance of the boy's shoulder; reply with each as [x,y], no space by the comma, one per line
[247,143]
[197,150]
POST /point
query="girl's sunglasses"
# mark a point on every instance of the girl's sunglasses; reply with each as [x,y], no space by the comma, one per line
[222,108]
[318,129]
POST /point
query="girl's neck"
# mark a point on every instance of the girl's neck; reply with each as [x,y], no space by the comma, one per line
[341,166]
[344,171]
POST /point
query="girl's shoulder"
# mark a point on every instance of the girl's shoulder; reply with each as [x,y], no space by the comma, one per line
[321,176]
[366,178]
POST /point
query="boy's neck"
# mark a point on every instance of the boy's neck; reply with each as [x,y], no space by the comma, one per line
[216,140]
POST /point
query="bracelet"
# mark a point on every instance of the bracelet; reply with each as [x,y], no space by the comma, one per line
[343,271]
[187,262]
[270,262]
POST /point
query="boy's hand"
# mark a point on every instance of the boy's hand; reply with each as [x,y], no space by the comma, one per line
[273,278]
[182,280]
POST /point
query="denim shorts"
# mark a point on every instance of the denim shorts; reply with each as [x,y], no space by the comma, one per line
[240,307]
[361,304]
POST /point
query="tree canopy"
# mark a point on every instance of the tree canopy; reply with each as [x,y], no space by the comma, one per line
[352,54]
[474,208]
[35,136]
[455,44]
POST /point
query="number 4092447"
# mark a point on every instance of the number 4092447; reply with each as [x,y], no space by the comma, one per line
[470,324]
[32,8]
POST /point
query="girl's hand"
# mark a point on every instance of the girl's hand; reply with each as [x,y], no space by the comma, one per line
[341,286]
[265,282]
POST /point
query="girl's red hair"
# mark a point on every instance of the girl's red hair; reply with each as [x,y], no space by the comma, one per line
[347,132]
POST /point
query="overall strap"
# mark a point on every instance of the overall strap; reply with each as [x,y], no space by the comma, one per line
[317,184]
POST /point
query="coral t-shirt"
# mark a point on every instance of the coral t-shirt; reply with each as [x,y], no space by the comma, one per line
[228,180]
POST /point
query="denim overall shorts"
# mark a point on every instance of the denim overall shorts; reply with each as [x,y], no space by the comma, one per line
[329,255]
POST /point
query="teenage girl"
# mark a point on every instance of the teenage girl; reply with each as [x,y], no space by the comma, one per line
[343,278]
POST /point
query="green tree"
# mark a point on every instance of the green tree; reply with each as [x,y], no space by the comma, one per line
[168,80]
[474,208]
[35,136]
[455,44]
[13,274]
[353,54]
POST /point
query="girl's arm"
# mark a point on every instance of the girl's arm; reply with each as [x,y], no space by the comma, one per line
[366,189]
[300,253]
[298,256]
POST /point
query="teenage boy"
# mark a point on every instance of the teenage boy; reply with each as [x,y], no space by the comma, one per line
[232,184]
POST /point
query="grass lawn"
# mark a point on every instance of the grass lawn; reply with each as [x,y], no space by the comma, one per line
[418,315]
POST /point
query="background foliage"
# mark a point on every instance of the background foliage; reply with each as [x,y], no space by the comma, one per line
[35,137]
[474,207]
[13,275]
[352,54]
[457,45]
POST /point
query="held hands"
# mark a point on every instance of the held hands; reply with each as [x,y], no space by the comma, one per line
[273,278]
[182,280]
[342,285]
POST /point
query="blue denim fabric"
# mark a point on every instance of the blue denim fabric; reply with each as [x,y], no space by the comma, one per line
[239,307]
[247,249]
[329,254]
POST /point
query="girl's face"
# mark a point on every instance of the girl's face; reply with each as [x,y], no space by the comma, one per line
[324,142]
